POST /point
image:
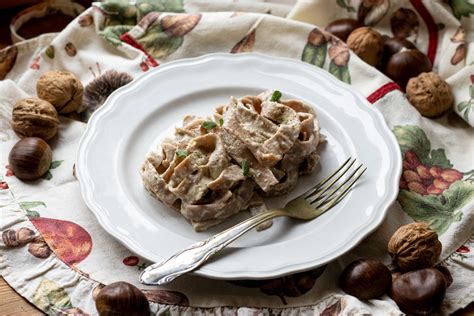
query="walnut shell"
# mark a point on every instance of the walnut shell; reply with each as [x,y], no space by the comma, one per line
[33,117]
[429,94]
[62,89]
[367,43]
[414,246]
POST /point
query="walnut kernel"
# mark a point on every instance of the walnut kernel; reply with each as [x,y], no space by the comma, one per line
[367,43]
[62,89]
[429,94]
[414,246]
[33,117]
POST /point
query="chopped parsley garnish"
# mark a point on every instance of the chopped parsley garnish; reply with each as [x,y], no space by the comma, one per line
[208,125]
[181,153]
[245,167]
[276,96]
[221,121]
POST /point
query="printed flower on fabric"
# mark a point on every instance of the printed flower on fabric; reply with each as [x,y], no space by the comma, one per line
[431,190]
[465,107]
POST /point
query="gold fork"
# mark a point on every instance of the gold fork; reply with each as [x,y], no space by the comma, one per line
[311,204]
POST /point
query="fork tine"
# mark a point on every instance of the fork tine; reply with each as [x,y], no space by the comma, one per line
[324,180]
[336,197]
[318,193]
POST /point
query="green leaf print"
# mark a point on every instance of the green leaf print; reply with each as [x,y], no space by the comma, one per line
[51,297]
[32,214]
[461,8]
[147,6]
[413,138]
[345,5]
[119,13]
[438,158]
[340,72]
[29,205]
[429,209]
[159,44]
[315,55]
[459,194]
[113,33]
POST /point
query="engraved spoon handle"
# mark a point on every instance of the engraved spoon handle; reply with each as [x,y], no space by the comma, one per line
[198,253]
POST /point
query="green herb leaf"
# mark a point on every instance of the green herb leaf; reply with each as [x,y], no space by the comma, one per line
[276,96]
[208,125]
[221,121]
[181,153]
[245,167]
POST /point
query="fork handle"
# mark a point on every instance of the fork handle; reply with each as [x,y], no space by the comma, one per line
[198,253]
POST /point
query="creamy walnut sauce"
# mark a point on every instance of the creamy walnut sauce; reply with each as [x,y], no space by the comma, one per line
[253,147]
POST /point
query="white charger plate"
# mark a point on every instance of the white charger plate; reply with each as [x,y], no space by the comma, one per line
[122,131]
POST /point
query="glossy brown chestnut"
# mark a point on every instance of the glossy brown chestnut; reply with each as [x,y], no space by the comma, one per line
[343,27]
[420,291]
[393,45]
[407,64]
[122,298]
[365,279]
[30,158]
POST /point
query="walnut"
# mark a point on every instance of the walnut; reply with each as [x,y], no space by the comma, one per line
[429,94]
[414,246]
[35,117]
[62,89]
[367,43]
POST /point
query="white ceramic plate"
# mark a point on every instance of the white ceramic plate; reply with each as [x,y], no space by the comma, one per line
[121,132]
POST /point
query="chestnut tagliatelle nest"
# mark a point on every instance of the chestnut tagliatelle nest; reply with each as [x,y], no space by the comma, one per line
[253,147]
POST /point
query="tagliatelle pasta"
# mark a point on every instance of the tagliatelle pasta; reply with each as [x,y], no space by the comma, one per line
[253,147]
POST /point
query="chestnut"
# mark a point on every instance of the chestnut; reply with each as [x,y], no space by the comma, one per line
[342,27]
[420,291]
[406,64]
[122,298]
[393,45]
[365,279]
[30,158]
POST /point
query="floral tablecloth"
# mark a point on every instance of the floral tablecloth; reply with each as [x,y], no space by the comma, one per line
[55,254]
